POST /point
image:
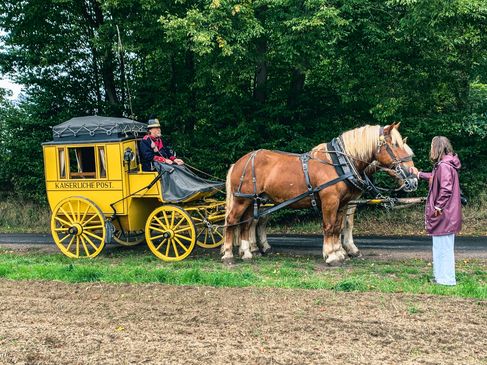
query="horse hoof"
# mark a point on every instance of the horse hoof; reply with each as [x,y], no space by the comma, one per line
[335,260]
[256,254]
[334,263]
[267,251]
[355,254]
[229,261]
[247,257]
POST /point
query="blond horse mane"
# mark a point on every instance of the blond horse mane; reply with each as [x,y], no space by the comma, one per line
[362,142]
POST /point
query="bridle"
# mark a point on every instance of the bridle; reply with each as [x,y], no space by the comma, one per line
[410,182]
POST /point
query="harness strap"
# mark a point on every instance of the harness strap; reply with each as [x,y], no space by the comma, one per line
[301,196]
[304,158]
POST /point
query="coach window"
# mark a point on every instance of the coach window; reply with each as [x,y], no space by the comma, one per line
[103,162]
[82,163]
[62,163]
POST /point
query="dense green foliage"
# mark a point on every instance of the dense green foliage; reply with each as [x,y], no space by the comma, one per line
[228,76]
[129,266]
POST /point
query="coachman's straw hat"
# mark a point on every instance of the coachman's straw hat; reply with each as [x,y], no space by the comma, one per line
[153,123]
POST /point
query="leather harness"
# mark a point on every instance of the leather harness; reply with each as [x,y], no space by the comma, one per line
[344,168]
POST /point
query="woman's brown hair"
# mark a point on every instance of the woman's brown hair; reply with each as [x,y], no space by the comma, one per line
[440,146]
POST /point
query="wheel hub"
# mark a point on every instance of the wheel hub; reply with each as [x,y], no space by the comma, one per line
[75,230]
[168,234]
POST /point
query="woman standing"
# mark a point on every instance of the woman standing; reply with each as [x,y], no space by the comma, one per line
[443,213]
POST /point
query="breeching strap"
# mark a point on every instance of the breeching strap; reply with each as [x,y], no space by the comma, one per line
[302,196]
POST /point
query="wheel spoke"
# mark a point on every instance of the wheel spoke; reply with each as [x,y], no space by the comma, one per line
[160,244]
[157,237]
[72,211]
[182,229]
[66,215]
[85,247]
[167,248]
[70,243]
[93,227]
[66,223]
[159,221]
[61,229]
[175,248]
[89,220]
[84,214]
[179,223]
[183,237]
[62,239]
[217,231]
[158,229]
[90,241]
[181,244]
[212,237]
[165,218]
[77,246]
[94,235]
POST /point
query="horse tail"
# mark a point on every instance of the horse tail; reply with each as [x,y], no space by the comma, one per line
[228,188]
[229,204]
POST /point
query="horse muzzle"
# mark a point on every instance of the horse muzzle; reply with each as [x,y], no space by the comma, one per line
[409,181]
[410,184]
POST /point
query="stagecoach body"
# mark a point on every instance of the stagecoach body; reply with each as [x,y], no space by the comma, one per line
[98,193]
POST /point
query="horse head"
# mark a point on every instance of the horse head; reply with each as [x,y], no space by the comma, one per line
[393,154]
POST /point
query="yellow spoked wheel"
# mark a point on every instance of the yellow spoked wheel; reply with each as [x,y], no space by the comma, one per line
[209,225]
[78,227]
[170,233]
[130,238]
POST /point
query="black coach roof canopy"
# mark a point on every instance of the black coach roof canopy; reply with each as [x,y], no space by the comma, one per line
[96,128]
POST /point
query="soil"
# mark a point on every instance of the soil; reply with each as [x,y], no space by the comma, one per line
[60,323]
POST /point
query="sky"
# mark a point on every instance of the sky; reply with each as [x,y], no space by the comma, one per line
[9,85]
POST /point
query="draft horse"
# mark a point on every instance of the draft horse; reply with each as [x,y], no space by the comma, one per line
[327,177]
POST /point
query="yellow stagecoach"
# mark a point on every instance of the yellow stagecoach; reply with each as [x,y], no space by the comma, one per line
[98,193]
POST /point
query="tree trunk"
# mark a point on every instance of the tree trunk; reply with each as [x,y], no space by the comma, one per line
[260,77]
[296,88]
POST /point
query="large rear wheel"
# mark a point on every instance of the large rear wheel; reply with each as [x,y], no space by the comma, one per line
[78,227]
[170,233]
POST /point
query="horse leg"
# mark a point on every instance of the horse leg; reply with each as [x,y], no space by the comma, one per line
[262,235]
[247,234]
[332,248]
[235,210]
[254,248]
[347,236]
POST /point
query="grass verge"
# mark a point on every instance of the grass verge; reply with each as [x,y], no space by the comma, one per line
[27,217]
[278,271]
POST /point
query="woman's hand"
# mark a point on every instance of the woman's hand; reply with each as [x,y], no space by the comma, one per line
[437,212]
[179,161]
[413,170]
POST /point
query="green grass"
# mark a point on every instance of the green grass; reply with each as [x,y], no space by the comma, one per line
[128,266]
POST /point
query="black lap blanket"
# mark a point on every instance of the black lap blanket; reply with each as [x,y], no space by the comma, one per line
[179,183]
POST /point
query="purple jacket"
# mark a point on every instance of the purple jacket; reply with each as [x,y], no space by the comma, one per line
[444,193]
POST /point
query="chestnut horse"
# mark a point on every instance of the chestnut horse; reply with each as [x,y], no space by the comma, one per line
[278,177]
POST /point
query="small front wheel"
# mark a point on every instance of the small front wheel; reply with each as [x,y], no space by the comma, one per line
[170,233]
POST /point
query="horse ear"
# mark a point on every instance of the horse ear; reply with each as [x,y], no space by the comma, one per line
[396,125]
[405,139]
[387,129]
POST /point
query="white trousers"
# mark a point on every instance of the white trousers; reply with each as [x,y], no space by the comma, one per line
[444,259]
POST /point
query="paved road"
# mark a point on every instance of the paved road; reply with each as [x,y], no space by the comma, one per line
[301,242]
